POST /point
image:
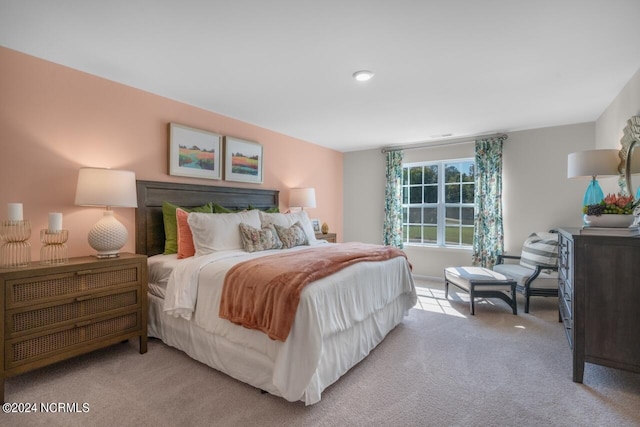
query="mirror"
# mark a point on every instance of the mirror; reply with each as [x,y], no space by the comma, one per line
[630,154]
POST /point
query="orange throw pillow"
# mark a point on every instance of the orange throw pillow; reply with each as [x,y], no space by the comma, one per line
[185,238]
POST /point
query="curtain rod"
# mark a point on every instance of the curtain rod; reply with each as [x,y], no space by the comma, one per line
[442,142]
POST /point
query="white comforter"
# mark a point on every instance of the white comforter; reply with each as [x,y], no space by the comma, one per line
[327,307]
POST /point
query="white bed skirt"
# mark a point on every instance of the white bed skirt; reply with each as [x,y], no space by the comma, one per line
[256,369]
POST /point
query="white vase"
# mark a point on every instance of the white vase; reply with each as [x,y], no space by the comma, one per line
[609,220]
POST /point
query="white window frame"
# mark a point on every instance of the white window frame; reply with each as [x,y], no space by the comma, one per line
[441,206]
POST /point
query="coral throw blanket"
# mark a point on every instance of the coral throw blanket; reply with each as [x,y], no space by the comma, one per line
[263,293]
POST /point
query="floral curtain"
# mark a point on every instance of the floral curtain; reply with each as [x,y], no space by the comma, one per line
[392,232]
[488,237]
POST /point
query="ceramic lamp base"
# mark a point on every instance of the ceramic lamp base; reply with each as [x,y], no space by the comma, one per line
[594,193]
[108,236]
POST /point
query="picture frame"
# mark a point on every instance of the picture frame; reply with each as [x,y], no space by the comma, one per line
[194,152]
[316,225]
[243,160]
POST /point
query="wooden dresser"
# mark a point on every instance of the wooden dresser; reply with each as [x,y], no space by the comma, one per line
[52,313]
[599,299]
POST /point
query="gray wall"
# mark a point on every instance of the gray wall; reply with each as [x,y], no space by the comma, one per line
[611,122]
[536,192]
[363,196]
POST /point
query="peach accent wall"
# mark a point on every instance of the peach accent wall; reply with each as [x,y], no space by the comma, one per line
[54,120]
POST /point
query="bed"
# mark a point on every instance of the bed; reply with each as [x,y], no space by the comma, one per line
[340,318]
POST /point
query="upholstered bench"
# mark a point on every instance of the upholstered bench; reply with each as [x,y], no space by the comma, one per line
[481,282]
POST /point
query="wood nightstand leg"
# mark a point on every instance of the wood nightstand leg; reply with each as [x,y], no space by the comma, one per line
[143,344]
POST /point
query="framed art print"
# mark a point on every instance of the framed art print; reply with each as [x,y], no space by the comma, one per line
[193,152]
[243,160]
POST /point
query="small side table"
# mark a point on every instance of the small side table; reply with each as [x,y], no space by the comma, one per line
[54,312]
[329,237]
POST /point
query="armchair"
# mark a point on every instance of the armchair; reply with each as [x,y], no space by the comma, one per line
[536,274]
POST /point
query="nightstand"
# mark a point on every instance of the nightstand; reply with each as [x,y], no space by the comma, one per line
[54,312]
[329,237]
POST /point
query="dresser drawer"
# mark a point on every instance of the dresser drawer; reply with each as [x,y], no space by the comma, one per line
[567,321]
[566,295]
[52,287]
[69,339]
[564,275]
[32,319]
[565,260]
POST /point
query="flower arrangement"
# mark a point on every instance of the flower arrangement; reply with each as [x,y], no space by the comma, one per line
[612,204]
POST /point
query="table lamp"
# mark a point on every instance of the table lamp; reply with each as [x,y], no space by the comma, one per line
[109,188]
[302,198]
[593,163]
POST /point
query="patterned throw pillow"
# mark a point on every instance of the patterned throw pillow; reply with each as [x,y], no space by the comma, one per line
[288,219]
[292,236]
[254,240]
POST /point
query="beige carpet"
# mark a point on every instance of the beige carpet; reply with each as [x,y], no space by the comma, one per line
[440,367]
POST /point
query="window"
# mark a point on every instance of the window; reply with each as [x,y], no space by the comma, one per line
[437,203]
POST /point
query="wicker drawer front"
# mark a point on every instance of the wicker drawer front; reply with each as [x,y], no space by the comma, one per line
[35,289]
[34,348]
[27,321]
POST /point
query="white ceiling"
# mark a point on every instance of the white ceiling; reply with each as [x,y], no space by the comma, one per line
[441,66]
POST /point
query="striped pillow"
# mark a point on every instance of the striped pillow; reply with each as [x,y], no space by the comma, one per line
[540,249]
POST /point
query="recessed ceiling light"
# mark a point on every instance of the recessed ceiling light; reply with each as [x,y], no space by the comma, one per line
[362,75]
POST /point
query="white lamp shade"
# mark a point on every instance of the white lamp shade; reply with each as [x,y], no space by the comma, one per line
[302,198]
[110,188]
[593,163]
[106,187]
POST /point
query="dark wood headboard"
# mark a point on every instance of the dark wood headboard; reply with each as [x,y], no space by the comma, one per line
[151,194]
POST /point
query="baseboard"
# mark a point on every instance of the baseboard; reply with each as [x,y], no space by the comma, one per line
[430,278]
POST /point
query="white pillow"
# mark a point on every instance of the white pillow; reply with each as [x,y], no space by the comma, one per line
[287,220]
[219,232]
